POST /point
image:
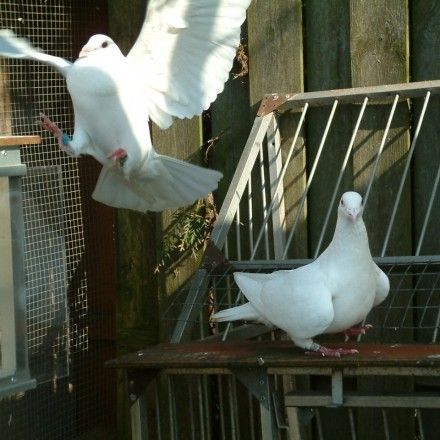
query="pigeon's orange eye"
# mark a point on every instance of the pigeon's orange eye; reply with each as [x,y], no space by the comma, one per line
[105,44]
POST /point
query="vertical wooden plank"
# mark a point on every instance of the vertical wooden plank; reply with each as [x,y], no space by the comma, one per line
[7,321]
[275,32]
[327,28]
[379,55]
[425,65]
[328,67]
[137,300]
[7,310]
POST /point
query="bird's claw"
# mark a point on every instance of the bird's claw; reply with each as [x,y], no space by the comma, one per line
[50,126]
[356,331]
[332,352]
[63,138]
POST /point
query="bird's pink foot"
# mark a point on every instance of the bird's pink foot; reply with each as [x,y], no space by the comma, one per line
[332,352]
[356,331]
[119,156]
[63,139]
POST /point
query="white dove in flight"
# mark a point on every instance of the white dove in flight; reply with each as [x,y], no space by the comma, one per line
[176,68]
[330,295]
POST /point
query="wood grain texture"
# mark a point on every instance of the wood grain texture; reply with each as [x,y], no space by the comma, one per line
[328,67]
[379,55]
[276,66]
[425,65]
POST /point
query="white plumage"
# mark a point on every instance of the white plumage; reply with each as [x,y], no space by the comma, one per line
[176,68]
[329,295]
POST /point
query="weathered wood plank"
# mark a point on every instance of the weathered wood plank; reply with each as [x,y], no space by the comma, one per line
[328,67]
[425,65]
[13,141]
[379,55]
[276,65]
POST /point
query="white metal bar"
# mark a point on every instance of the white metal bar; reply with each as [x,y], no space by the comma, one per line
[251,216]
[420,424]
[238,232]
[412,295]
[310,179]
[405,173]
[385,424]
[352,424]
[341,173]
[281,177]
[276,208]
[264,201]
[381,147]
[240,179]
[428,211]
[357,94]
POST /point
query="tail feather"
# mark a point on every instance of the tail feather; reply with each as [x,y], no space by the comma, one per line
[178,184]
[245,312]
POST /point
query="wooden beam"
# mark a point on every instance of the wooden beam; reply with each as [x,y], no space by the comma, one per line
[14,141]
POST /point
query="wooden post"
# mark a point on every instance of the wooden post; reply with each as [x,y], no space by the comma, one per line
[7,316]
[276,66]
[425,65]
[379,55]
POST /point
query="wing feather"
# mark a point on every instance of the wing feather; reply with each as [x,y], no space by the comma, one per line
[12,46]
[184,53]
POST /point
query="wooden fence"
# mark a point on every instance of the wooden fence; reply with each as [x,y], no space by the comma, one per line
[294,46]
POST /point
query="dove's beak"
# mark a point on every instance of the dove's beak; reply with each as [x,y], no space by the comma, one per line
[354,214]
[85,51]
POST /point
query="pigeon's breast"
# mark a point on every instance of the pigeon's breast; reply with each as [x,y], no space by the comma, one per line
[111,113]
[353,296]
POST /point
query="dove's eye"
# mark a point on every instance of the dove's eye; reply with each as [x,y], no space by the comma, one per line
[105,44]
[342,202]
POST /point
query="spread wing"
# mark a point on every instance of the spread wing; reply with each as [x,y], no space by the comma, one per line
[184,53]
[12,46]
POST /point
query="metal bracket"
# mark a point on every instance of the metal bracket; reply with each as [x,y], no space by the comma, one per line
[214,257]
[257,381]
[272,102]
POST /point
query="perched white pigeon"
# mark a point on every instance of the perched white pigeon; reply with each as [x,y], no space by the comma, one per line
[329,295]
[176,68]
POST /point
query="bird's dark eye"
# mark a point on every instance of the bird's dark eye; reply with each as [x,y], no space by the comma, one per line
[342,202]
[105,44]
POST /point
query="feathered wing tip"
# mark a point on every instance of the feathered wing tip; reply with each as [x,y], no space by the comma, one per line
[183,185]
[185,51]
[12,46]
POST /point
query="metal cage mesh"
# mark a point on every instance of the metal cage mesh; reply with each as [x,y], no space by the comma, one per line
[65,324]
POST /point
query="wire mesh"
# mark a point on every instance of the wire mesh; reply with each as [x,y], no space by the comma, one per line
[266,219]
[70,330]
[266,216]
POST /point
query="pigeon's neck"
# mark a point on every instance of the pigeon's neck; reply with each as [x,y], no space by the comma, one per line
[351,238]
